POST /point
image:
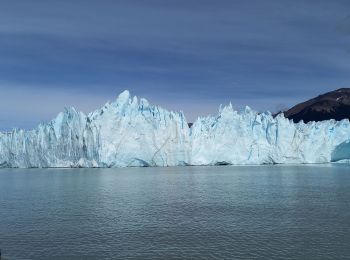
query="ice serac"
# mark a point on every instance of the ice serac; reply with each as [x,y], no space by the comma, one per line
[131,132]
[248,137]
[134,133]
[126,132]
[67,141]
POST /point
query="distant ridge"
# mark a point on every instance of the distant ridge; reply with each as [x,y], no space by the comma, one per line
[331,105]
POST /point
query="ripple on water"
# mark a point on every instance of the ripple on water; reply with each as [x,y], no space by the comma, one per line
[265,212]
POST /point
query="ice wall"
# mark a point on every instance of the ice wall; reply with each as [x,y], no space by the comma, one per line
[131,132]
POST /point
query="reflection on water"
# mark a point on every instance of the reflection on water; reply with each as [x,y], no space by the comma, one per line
[249,212]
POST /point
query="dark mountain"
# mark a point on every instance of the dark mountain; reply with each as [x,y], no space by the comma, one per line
[331,105]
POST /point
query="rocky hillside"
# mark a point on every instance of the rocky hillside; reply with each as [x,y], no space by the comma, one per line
[331,105]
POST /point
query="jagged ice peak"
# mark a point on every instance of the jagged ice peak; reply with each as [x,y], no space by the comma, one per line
[131,132]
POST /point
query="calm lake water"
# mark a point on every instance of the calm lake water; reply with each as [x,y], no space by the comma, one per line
[228,212]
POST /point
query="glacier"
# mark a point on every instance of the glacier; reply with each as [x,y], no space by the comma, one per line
[131,132]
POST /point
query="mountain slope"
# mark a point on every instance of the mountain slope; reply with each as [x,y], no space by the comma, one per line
[331,105]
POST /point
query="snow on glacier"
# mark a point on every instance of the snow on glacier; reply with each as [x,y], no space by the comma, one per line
[131,132]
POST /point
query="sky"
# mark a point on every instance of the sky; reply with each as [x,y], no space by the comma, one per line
[189,55]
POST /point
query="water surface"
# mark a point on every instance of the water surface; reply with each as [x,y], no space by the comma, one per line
[249,212]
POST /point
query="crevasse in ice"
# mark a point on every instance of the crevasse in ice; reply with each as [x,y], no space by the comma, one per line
[131,132]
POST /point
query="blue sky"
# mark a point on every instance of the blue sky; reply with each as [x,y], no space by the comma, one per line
[190,55]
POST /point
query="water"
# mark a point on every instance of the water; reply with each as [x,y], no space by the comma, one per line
[258,212]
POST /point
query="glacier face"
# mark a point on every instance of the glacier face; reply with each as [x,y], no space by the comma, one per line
[131,132]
